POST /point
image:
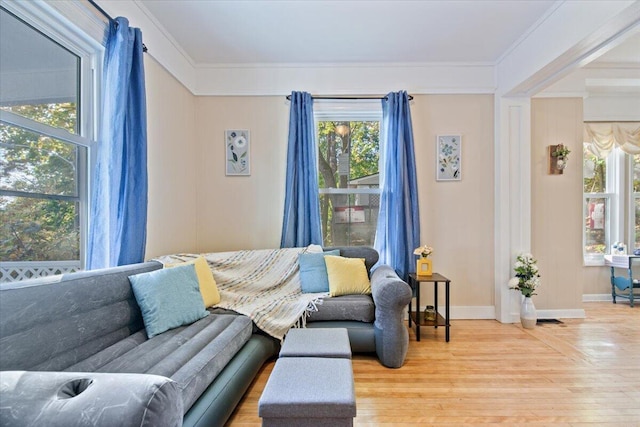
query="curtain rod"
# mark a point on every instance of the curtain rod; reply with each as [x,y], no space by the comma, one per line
[340,98]
[106,15]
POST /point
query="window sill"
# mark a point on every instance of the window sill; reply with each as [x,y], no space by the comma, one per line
[598,262]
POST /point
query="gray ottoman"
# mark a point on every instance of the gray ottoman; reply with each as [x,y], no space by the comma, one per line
[309,391]
[317,342]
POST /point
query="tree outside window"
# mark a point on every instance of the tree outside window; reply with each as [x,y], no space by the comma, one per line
[348,159]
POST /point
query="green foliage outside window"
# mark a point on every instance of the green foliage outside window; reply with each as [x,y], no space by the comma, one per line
[358,143]
[38,224]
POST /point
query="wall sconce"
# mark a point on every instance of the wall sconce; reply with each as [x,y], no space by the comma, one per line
[558,158]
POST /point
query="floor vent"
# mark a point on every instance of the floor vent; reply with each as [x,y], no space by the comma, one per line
[551,321]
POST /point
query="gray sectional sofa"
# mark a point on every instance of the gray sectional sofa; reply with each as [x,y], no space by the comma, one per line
[74,351]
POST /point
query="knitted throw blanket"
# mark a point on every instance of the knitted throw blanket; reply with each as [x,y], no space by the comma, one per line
[261,284]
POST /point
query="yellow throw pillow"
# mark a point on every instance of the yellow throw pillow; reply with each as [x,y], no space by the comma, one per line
[347,276]
[207,283]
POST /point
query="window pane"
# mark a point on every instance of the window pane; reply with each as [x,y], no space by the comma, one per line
[348,157]
[35,163]
[596,224]
[595,172]
[38,229]
[351,219]
[38,77]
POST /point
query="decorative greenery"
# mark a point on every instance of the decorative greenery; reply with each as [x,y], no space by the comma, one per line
[527,278]
[424,251]
[39,229]
[361,141]
[561,152]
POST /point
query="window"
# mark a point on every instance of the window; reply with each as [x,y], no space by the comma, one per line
[349,176]
[635,206]
[611,203]
[46,97]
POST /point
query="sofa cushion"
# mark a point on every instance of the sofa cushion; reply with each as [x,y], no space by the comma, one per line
[347,276]
[206,282]
[168,298]
[346,307]
[313,271]
[73,399]
[191,355]
[51,326]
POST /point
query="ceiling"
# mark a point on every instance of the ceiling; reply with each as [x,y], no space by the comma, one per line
[356,31]
[326,33]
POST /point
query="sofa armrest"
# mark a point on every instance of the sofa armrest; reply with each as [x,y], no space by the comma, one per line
[390,295]
[86,398]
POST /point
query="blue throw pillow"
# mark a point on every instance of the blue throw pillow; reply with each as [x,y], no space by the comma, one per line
[313,272]
[168,298]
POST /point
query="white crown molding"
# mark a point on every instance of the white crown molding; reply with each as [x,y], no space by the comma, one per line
[366,65]
[561,95]
[614,65]
[346,79]
[549,45]
[162,47]
[572,36]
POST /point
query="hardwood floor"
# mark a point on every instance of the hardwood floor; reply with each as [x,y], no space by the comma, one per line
[583,372]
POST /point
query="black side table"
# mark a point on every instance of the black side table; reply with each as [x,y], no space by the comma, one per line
[417,316]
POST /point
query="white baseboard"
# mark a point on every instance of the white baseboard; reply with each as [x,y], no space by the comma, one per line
[576,313]
[472,312]
[482,312]
[596,297]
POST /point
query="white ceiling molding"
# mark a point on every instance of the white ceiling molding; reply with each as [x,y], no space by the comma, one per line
[611,108]
[558,43]
[345,79]
[574,34]
[161,46]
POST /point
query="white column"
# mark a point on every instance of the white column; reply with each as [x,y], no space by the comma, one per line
[512,197]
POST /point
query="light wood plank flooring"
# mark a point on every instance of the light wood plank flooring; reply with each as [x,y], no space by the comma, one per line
[580,373]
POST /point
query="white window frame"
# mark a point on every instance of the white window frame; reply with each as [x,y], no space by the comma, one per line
[59,25]
[618,187]
[349,111]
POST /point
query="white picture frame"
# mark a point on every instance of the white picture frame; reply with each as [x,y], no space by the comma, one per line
[237,152]
[448,157]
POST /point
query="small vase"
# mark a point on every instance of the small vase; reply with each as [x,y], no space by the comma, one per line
[561,163]
[423,267]
[528,316]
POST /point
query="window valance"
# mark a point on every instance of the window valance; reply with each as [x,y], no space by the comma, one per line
[603,137]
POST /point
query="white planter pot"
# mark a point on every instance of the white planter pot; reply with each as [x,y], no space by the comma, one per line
[528,315]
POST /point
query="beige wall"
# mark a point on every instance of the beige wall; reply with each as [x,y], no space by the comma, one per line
[194,207]
[172,152]
[556,203]
[456,217]
[241,212]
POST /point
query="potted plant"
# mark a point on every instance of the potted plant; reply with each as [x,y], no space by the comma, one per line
[526,280]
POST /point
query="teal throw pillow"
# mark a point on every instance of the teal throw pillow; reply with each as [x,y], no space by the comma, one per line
[168,298]
[313,272]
